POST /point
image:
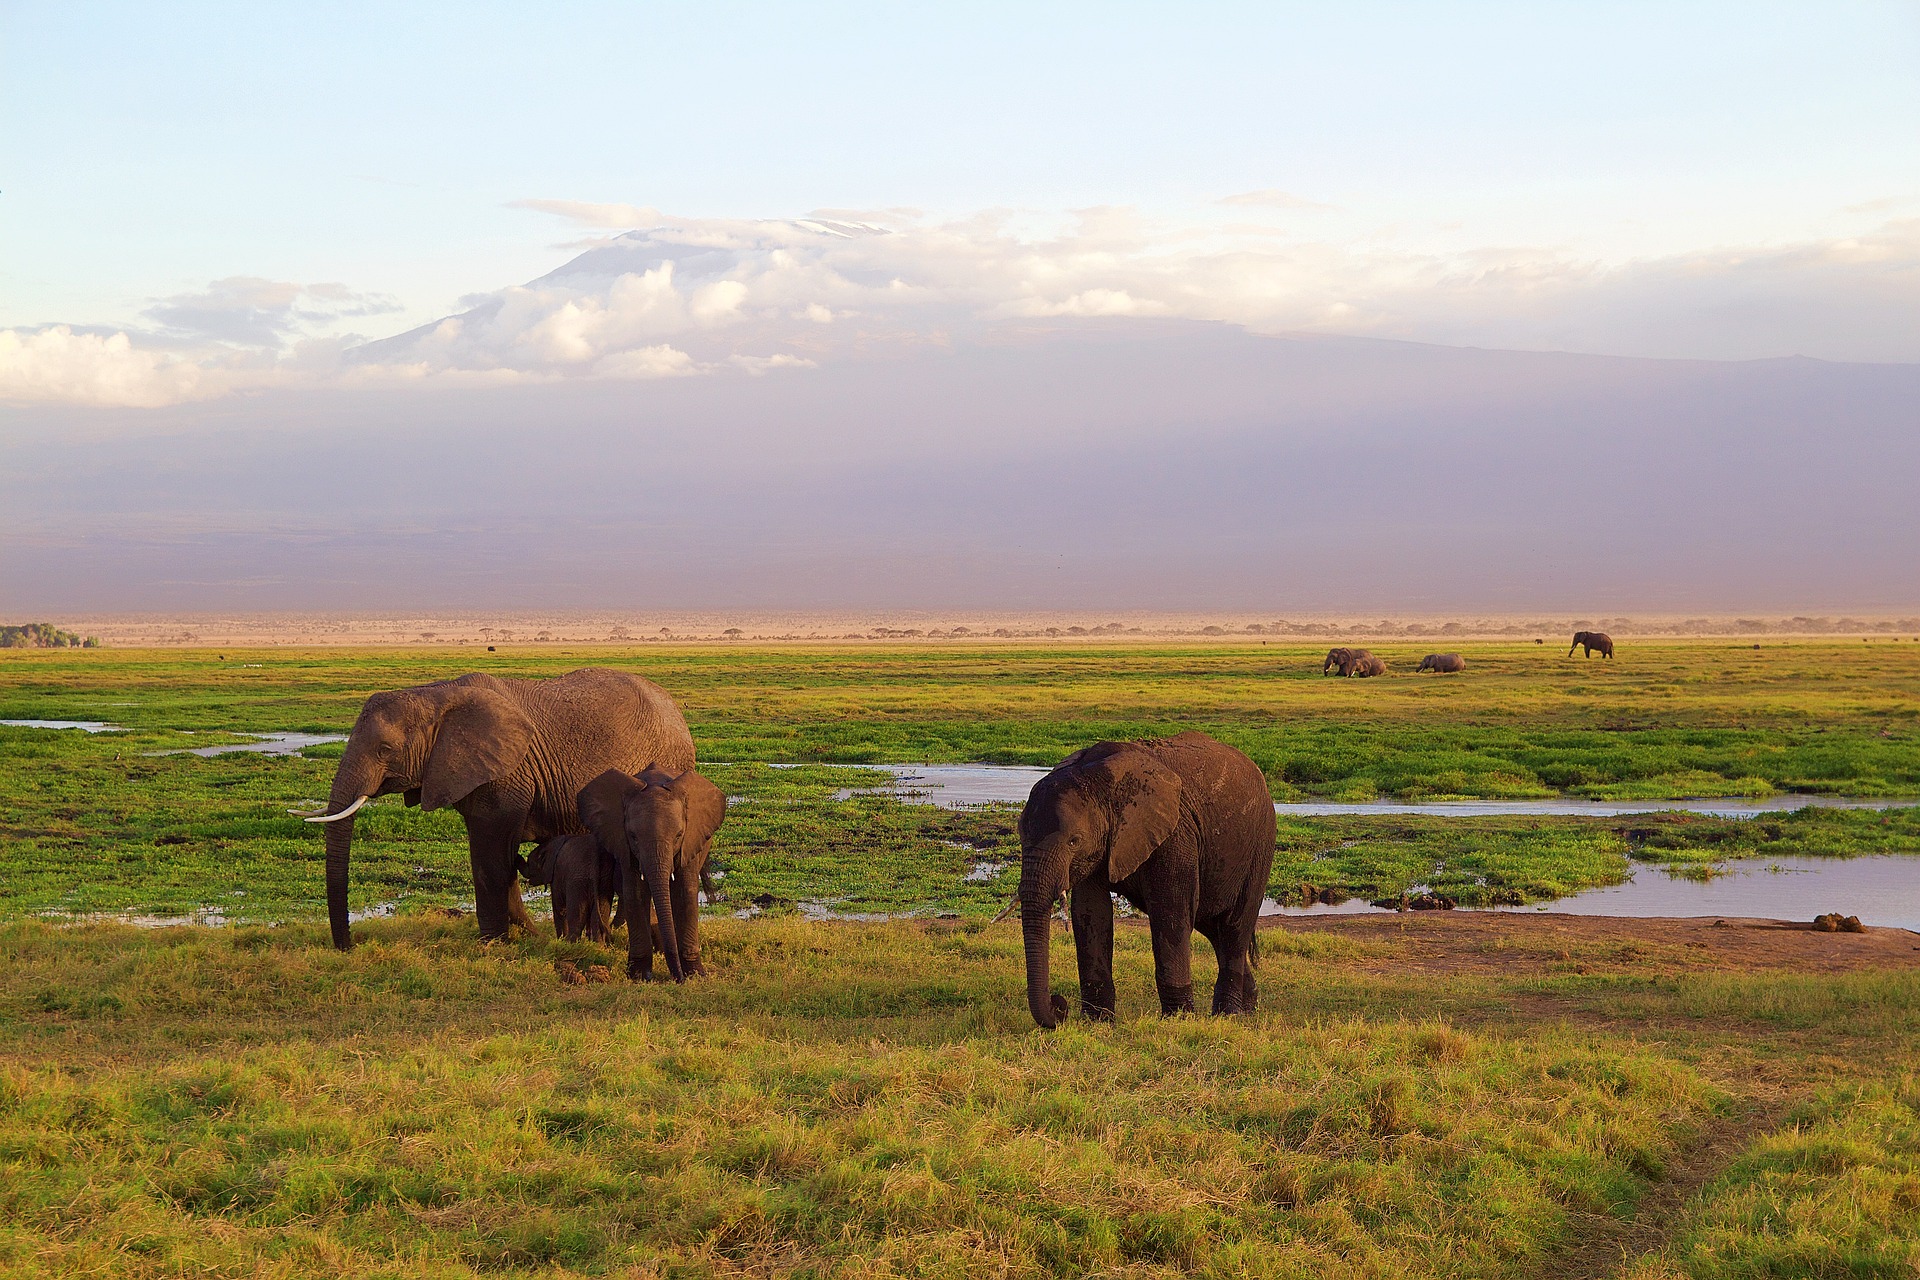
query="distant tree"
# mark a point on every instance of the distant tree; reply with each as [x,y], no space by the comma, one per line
[44,635]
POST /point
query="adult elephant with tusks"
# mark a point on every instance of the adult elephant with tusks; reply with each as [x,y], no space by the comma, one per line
[1180,827]
[510,756]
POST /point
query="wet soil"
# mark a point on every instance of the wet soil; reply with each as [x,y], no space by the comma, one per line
[1548,943]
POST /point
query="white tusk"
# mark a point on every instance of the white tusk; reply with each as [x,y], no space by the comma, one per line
[347,812]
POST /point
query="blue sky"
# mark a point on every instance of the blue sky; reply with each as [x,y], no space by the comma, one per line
[148,150]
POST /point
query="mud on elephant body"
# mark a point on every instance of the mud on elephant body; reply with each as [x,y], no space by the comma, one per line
[1180,827]
[1594,642]
[658,828]
[510,756]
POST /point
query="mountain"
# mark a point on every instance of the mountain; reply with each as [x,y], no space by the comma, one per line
[1023,463]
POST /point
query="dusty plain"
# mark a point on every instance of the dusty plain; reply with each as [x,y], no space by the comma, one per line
[1420,1094]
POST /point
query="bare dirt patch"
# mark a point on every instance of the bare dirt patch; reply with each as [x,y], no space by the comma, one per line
[1514,944]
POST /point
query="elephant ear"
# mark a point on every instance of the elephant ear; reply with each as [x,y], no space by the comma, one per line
[603,809]
[1143,806]
[706,809]
[481,738]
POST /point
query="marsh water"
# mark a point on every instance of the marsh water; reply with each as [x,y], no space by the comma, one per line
[270,744]
[1882,890]
[952,786]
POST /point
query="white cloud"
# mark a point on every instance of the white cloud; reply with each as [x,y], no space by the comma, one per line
[647,362]
[709,296]
[57,364]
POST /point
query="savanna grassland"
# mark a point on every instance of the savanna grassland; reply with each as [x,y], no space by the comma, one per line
[871,1098]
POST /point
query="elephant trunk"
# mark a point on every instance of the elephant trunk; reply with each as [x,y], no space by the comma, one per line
[1043,876]
[1036,925]
[657,865]
[351,788]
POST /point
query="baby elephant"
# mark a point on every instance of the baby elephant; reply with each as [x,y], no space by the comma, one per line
[1595,641]
[1442,662]
[658,829]
[1365,664]
[584,885]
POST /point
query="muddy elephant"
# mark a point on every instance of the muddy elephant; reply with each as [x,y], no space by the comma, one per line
[510,756]
[1594,641]
[1180,827]
[1442,662]
[1365,664]
[658,828]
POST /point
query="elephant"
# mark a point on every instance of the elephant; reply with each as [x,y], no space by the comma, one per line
[1180,827]
[1442,662]
[585,880]
[510,756]
[658,828]
[1593,640]
[1340,657]
[1365,664]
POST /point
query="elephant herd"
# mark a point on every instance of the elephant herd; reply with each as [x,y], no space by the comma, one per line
[1361,663]
[595,769]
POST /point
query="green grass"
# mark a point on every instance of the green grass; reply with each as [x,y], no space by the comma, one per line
[871,1099]
[1834,1193]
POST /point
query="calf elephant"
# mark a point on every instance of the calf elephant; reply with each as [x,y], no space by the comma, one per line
[585,880]
[510,756]
[1594,641]
[1442,662]
[1365,664]
[658,827]
[1180,827]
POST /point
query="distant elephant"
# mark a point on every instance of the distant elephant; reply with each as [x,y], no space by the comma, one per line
[1442,662]
[510,756]
[1365,664]
[1180,827]
[1593,640]
[585,881]
[658,827]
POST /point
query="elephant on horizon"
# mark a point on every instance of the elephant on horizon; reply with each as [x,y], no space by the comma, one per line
[657,827]
[1365,664]
[1592,640]
[510,756]
[1343,660]
[1180,827]
[1442,662]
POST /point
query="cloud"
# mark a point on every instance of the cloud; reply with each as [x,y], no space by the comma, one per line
[250,312]
[719,297]
[588,214]
[57,364]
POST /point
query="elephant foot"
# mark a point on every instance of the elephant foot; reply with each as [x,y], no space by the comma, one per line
[1098,1004]
[1176,1000]
[640,972]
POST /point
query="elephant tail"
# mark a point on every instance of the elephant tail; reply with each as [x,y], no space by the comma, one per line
[1253,947]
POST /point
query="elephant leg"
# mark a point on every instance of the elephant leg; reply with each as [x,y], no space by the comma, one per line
[686,922]
[1234,990]
[1093,947]
[1173,964]
[491,846]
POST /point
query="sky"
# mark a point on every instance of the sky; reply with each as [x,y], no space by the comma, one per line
[246,222]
